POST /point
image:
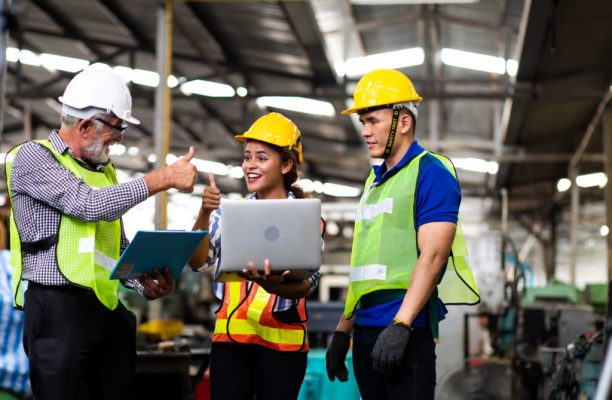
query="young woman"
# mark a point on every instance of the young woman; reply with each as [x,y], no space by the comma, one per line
[260,344]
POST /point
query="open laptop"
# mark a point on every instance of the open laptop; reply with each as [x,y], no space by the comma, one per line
[287,232]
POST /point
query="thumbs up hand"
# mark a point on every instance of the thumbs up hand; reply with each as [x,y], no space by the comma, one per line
[182,173]
[211,196]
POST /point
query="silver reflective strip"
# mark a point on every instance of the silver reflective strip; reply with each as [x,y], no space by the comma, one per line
[371,211]
[368,272]
[104,261]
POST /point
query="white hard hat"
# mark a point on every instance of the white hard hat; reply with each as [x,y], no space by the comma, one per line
[98,90]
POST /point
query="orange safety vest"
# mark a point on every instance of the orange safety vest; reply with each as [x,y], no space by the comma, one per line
[246,317]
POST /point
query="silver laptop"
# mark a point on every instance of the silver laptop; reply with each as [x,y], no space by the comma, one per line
[287,232]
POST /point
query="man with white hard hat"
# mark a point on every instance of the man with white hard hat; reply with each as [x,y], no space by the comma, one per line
[67,233]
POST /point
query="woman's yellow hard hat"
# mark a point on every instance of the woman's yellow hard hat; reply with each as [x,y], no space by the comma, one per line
[276,129]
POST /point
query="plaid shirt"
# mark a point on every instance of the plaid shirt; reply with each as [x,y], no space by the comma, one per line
[214,255]
[42,190]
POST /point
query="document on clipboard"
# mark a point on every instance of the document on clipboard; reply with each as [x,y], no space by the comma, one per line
[157,249]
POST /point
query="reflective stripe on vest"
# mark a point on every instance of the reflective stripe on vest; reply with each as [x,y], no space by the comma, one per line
[86,251]
[250,320]
[385,247]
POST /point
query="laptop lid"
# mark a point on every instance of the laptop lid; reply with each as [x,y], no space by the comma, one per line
[287,232]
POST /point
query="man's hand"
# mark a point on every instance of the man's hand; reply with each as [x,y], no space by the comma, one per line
[390,348]
[183,173]
[159,285]
[211,196]
[336,356]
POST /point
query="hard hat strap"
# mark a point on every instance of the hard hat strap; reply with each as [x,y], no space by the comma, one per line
[395,118]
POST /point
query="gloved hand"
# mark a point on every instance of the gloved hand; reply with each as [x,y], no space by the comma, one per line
[390,348]
[336,355]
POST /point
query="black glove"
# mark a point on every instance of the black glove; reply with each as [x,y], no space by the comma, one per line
[336,355]
[390,348]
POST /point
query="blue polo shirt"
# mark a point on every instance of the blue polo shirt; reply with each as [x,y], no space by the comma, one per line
[437,200]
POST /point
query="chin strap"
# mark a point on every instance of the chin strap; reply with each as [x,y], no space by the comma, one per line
[396,112]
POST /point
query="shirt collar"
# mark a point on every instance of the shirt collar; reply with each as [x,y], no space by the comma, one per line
[61,147]
[380,171]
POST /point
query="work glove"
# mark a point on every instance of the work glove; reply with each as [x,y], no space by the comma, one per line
[390,348]
[336,355]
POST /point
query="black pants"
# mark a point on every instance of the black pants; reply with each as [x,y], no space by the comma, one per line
[76,346]
[415,380]
[244,372]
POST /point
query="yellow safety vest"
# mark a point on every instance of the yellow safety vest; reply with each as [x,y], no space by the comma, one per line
[86,252]
[385,248]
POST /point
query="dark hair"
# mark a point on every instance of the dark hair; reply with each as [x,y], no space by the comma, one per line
[291,177]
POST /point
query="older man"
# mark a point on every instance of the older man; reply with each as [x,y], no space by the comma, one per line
[67,233]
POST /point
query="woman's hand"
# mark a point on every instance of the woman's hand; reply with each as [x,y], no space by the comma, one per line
[211,196]
[267,280]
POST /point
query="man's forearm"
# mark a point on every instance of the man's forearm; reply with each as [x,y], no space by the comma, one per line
[345,325]
[158,181]
[422,284]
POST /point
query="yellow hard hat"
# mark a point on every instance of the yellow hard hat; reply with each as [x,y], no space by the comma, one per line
[383,87]
[276,129]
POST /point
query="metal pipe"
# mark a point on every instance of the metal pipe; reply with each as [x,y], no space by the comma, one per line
[4,4]
[163,103]
[575,208]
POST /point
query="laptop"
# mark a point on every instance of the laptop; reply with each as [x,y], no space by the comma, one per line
[287,232]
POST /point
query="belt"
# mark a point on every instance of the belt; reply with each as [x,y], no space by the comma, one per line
[61,288]
[380,297]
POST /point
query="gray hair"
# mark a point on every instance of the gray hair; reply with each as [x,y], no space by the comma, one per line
[69,121]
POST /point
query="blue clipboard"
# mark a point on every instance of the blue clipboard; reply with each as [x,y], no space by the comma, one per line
[157,249]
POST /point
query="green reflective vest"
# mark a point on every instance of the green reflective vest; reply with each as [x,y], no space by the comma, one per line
[86,252]
[385,248]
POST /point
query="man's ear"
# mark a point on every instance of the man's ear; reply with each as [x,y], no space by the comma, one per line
[287,165]
[404,123]
[84,125]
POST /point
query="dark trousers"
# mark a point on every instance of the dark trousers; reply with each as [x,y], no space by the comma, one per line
[415,380]
[244,372]
[77,348]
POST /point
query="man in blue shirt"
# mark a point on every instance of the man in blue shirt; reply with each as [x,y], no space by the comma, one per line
[14,379]
[404,231]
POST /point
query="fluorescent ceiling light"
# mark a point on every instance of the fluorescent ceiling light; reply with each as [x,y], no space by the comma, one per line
[207,88]
[297,104]
[60,63]
[334,189]
[29,58]
[235,172]
[145,78]
[214,167]
[591,180]
[588,180]
[393,59]
[117,149]
[397,2]
[604,230]
[563,184]
[242,91]
[478,62]
[330,189]
[476,165]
